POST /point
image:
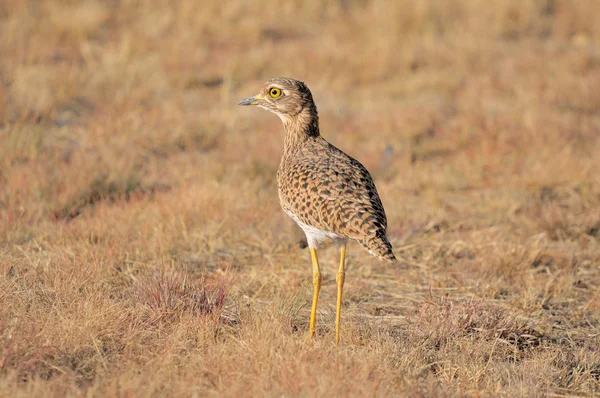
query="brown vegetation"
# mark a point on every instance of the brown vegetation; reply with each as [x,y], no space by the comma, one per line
[143,251]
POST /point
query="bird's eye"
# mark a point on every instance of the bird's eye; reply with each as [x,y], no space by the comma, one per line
[274,92]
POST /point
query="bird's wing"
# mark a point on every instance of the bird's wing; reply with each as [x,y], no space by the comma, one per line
[339,196]
[350,204]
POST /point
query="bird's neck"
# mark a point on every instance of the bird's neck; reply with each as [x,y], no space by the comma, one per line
[300,129]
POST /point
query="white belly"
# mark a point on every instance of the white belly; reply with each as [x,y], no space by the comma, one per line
[314,236]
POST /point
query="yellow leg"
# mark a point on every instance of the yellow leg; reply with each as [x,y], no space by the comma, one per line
[317,286]
[341,275]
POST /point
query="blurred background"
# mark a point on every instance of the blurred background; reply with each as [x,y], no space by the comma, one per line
[122,151]
[134,96]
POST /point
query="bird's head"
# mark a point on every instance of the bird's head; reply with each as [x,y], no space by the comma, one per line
[283,96]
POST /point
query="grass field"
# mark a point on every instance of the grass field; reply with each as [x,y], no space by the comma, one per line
[143,251]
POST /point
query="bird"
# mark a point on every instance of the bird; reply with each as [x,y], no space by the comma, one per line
[328,193]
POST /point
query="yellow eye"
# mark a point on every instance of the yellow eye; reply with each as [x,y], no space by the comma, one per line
[274,92]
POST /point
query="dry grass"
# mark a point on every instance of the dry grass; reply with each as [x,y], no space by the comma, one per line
[142,249]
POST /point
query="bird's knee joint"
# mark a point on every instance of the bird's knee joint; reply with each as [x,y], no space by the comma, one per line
[317,279]
[340,277]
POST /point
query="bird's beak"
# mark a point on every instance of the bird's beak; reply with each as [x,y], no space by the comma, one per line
[252,100]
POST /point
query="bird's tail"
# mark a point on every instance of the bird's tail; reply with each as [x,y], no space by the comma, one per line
[379,246]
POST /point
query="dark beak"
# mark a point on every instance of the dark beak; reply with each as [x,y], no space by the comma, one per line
[251,101]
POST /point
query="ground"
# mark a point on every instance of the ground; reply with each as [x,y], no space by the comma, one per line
[143,251]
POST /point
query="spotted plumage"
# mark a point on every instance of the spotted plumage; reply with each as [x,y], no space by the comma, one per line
[319,185]
[329,194]
[322,187]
